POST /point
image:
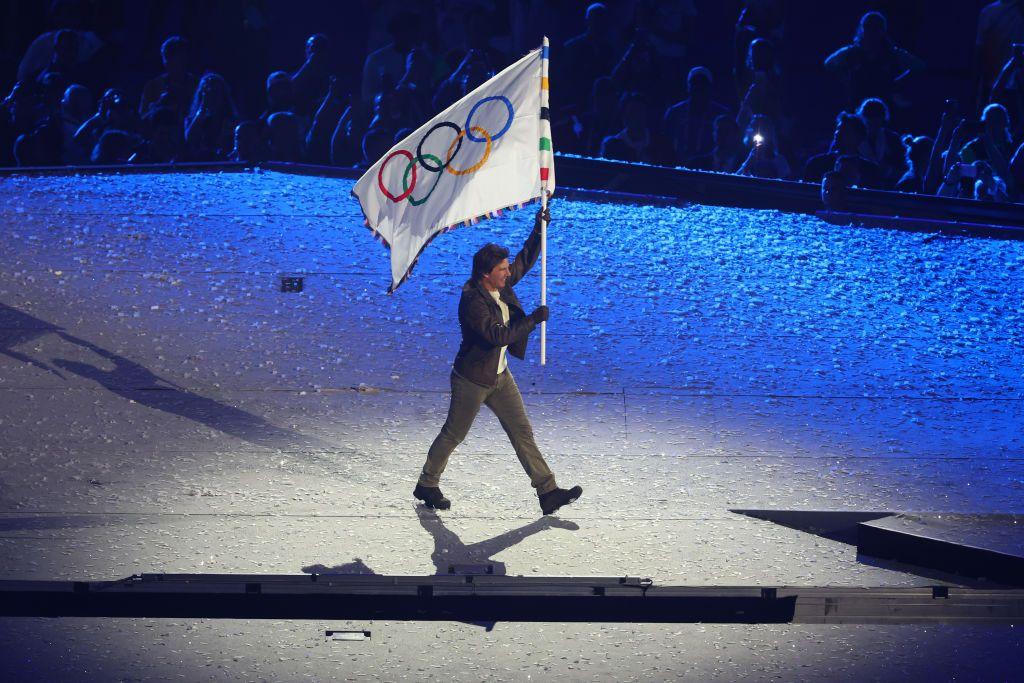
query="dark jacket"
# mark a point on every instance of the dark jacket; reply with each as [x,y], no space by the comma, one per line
[483,332]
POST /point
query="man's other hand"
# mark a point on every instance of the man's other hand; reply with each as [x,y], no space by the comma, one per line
[545,213]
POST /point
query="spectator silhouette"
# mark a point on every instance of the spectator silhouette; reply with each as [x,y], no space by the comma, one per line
[950,138]
[471,72]
[18,115]
[881,145]
[667,27]
[689,124]
[850,133]
[346,142]
[384,126]
[173,88]
[1016,176]
[918,152]
[1000,25]
[872,65]
[69,54]
[994,144]
[312,80]
[602,117]
[280,93]
[66,50]
[281,98]
[639,69]
[164,138]
[975,180]
[848,169]
[946,170]
[988,186]
[762,94]
[112,113]
[415,89]
[764,159]
[374,144]
[459,20]
[328,115]
[834,191]
[387,64]
[44,144]
[41,147]
[633,141]
[757,19]
[75,107]
[471,27]
[50,90]
[65,55]
[584,58]
[729,153]
[760,19]
[211,119]
[249,145]
[836,184]
[113,148]
[284,137]
[1008,89]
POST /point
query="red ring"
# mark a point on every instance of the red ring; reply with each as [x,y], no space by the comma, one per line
[380,175]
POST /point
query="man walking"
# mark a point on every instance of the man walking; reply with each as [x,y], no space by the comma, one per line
[493,325]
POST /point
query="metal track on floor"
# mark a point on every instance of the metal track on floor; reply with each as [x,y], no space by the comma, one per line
[488,598]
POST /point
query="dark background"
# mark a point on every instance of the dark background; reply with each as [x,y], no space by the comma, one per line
[246,39]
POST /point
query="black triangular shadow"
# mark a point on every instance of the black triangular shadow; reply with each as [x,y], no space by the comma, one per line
[836,525]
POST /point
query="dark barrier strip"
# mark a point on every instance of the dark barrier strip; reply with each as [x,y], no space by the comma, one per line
[497,598]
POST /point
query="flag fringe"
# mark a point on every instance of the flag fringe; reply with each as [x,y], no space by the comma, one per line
[494,213]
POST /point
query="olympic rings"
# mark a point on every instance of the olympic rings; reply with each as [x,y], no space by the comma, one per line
[483,159]
[435,164]
[380,176]
[420,157]
[412,166]
[508,124]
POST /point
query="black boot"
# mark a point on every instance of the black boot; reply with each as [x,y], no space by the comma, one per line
[554,499]
[431,497]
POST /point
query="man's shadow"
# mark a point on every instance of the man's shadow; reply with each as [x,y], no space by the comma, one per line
[137,383]
[452,556]
[16,328]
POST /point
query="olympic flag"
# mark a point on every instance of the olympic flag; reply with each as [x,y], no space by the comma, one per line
[488,152]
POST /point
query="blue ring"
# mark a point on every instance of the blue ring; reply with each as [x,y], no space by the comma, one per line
[508,124]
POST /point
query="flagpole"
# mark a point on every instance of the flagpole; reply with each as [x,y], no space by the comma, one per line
[545,133]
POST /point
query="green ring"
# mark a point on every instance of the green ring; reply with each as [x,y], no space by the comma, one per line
[405,178]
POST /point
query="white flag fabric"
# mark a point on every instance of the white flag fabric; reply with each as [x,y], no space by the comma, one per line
[481,155]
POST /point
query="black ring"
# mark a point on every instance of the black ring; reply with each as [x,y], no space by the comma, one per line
[419,148]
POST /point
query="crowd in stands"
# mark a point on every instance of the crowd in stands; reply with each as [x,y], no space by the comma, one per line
[608,100]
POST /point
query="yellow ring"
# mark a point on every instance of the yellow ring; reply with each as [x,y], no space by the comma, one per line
[487,151]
